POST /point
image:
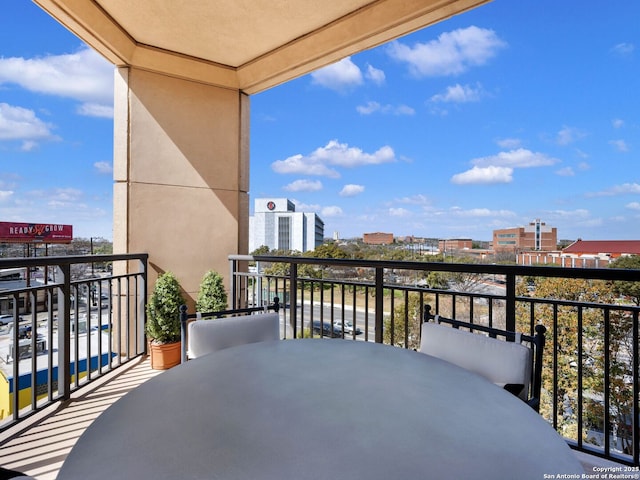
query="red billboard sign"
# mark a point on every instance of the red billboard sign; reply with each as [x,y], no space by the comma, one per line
[35,232]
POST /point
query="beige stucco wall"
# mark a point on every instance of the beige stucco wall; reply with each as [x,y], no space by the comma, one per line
[181,172]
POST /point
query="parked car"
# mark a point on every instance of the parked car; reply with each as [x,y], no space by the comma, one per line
[7,319]
[325,328]
[348,328]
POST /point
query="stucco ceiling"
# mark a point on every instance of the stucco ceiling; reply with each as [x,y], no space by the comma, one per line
[249,45]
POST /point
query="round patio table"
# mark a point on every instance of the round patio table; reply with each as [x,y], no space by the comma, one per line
[318,409]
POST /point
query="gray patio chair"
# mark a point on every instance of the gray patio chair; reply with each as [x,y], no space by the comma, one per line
[509,359]
[204,333]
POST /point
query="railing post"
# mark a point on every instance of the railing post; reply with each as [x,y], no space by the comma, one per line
[635,412]
[293,302]
[64,333]
[233,290]
[510,305]
[142,311]
[183,333]
[258,286]
[379,316]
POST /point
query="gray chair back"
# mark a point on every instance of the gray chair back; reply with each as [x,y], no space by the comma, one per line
[498,355]
[207,336]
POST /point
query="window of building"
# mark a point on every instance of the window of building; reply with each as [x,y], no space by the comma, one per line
[284,233]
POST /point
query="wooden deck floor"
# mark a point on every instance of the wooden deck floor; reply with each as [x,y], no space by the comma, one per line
[41,444]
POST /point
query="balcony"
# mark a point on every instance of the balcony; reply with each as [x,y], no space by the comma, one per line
[591,364]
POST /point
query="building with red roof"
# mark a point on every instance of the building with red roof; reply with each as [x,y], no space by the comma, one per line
[583,253]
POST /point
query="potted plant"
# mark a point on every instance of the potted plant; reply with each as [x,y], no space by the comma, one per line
[163,322]
[212,297]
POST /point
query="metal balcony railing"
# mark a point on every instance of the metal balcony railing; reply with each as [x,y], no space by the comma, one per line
[591,361]
[75,320]
[65,322]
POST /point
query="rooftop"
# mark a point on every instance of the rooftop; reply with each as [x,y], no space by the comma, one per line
[604,246]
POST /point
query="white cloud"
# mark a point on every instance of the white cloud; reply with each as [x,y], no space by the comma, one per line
[304,186]
[579,214]
[484,175]
[65,195]
[520,158]
[377,76]
[306,207]
[617,123]
[399,212]
[566,172]
[320,161]
[339,76]
[5,194]
[633,206]
[624,189]
[481,212]
[332,211]
[568,135]
[28,146]
[499,168]
[624,49]
[459,94]
[620,145]
[452,53]
[418,199]
[369,108]
[17,123]
[95,110]
[298,164]
[103,167]
[509,143]
[84,76]
[374,107]
[351,190]
[403,110]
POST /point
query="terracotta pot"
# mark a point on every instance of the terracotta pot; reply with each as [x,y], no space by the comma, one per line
[165,355]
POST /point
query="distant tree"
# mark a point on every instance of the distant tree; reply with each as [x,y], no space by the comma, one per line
[438,280]
[395,331]
[565,344]
[277,268]
[620,372]
[628,289]
[262,250]
[327,250]
[563,321]
[462,281]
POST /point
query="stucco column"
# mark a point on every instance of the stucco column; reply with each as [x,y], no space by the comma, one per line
[181,171]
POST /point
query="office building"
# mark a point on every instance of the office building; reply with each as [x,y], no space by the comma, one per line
[276,224]
[451,245]
[377,238]
[536,236]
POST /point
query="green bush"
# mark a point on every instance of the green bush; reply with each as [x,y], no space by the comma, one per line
[212,297]
[163,310]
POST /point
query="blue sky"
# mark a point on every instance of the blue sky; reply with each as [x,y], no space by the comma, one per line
[514,111]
